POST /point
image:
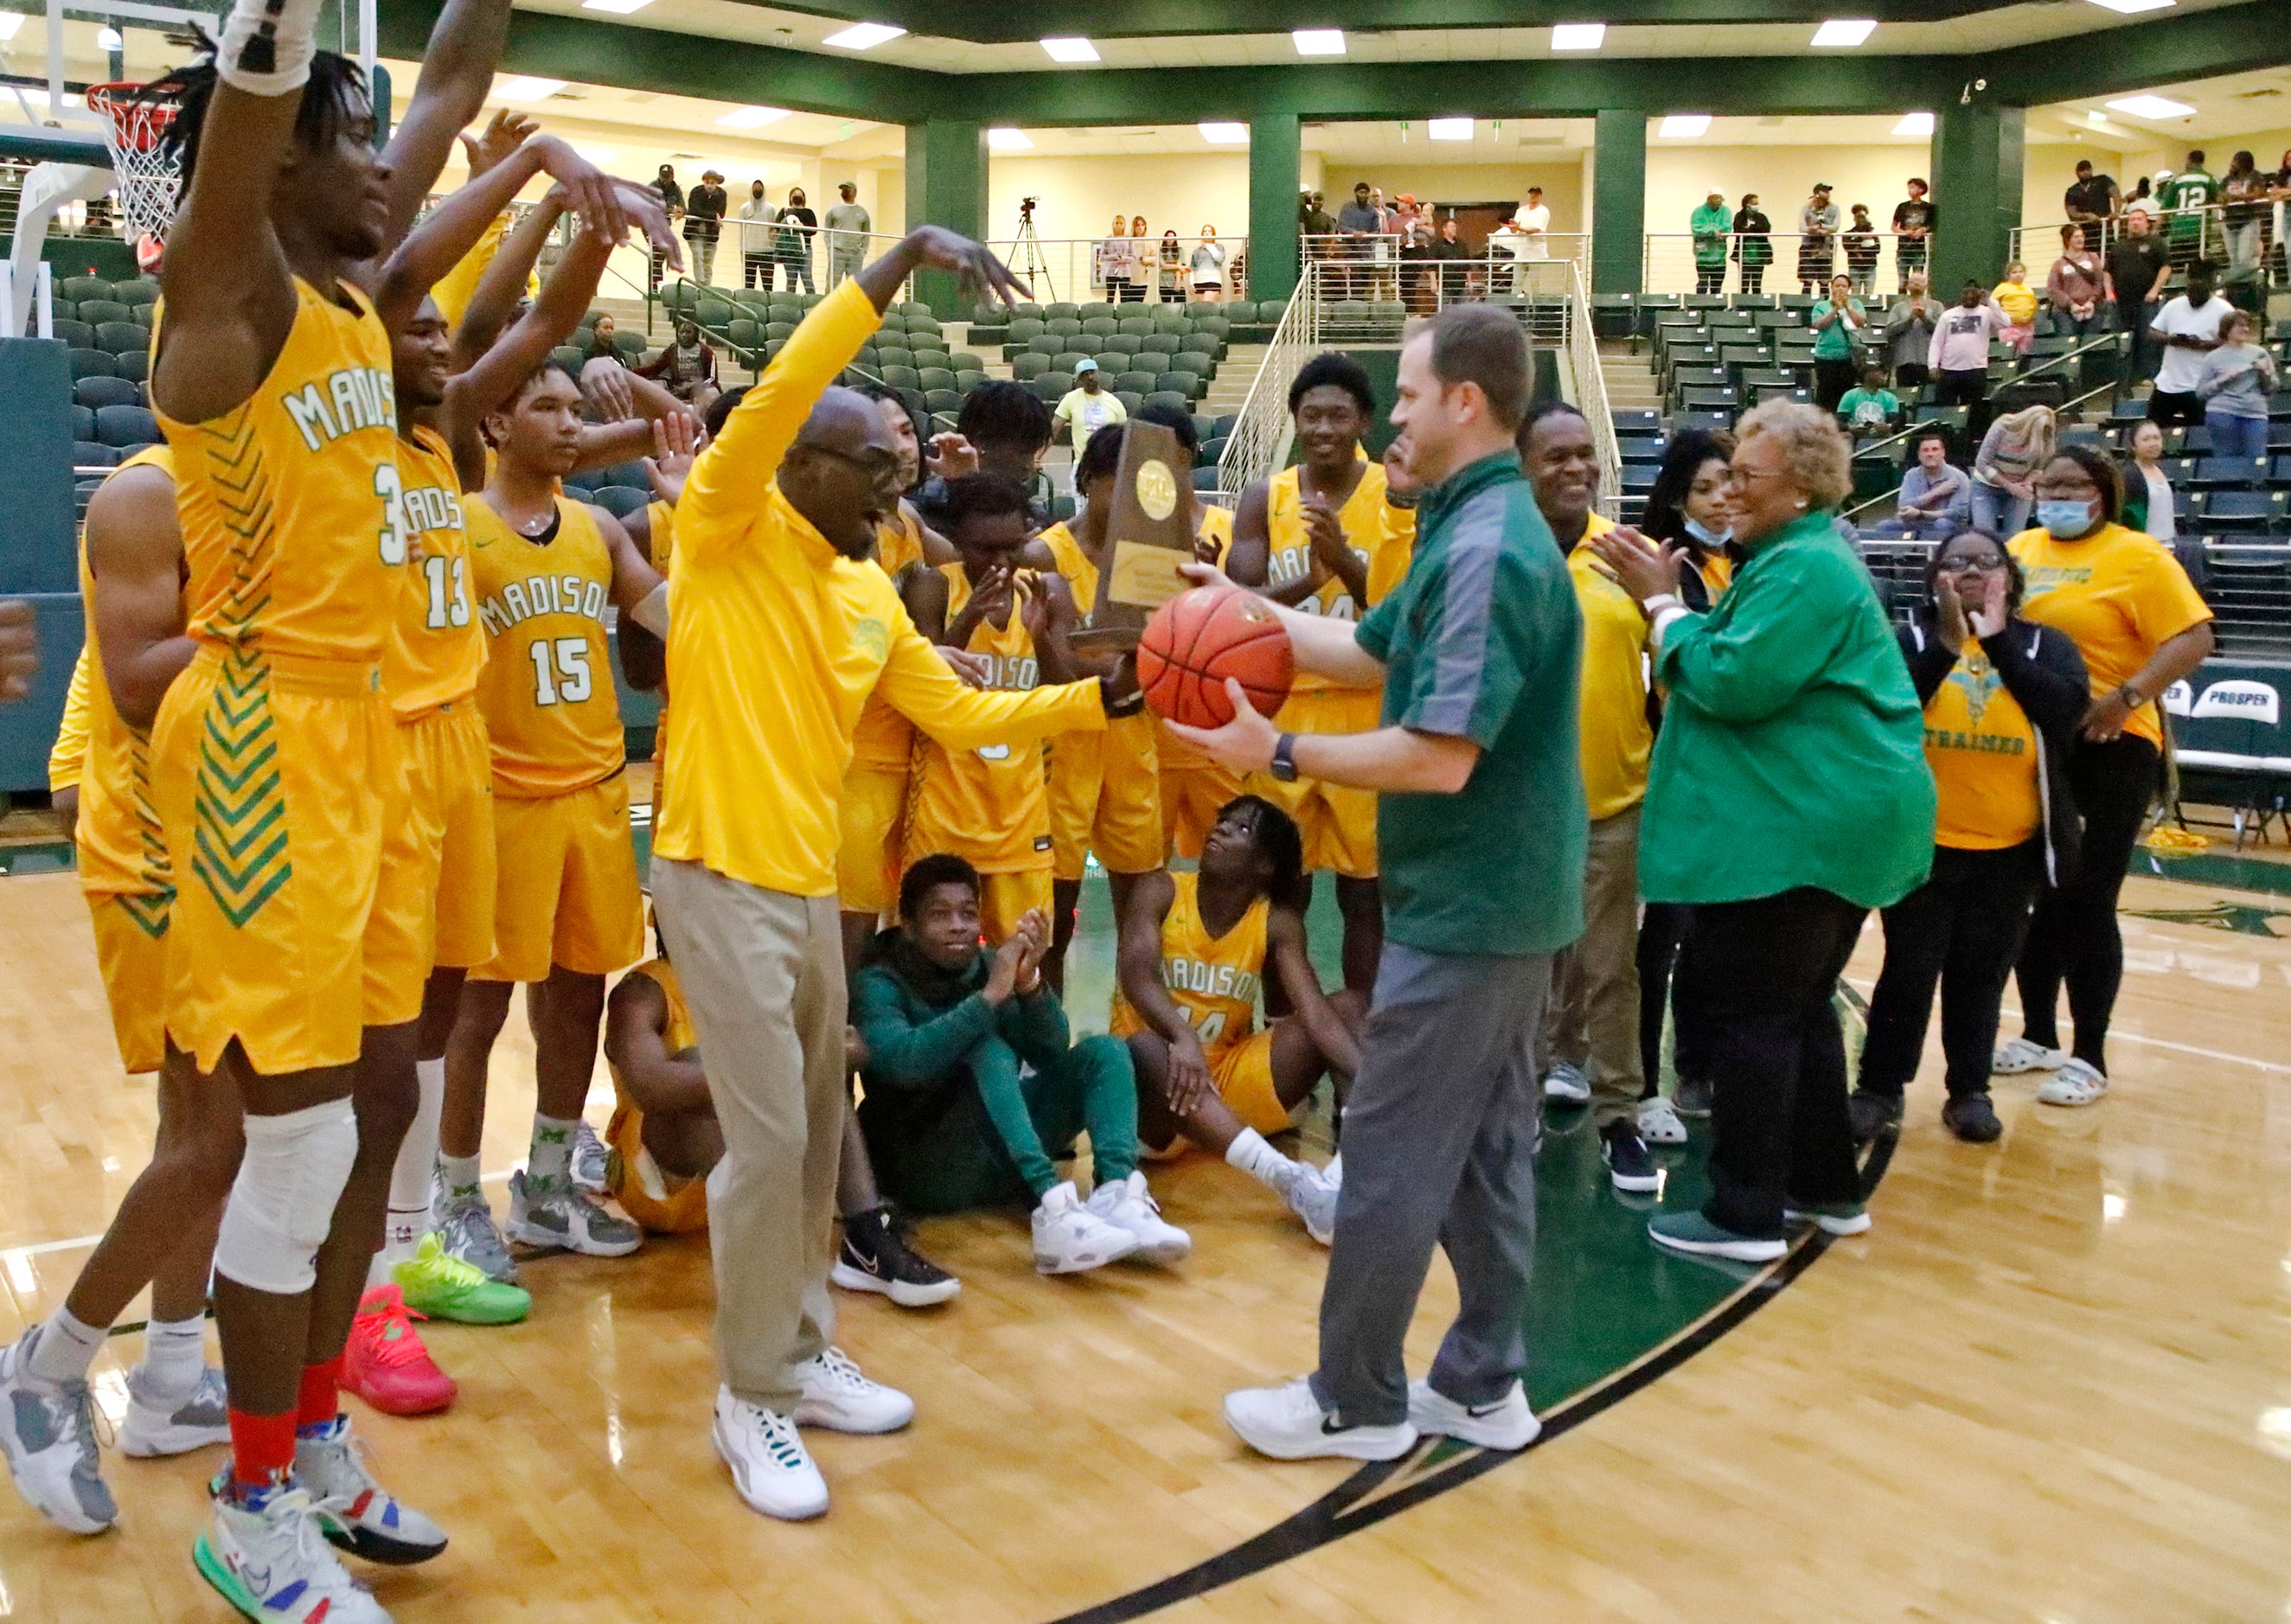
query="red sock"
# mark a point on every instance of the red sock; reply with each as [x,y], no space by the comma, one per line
[316,1406]
[262,1449]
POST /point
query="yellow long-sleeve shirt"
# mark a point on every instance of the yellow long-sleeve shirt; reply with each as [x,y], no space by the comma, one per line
[776,640]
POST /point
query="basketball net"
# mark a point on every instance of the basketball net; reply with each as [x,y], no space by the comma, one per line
[151,176]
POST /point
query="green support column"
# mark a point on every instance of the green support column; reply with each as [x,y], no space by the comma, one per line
[1275,149]
[947,185]
[1977,159]
[1619,202]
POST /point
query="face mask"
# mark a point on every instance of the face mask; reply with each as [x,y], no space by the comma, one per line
[1706,536]
[2066,520]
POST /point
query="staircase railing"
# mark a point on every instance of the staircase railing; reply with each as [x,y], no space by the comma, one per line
[1582,347]
[1258,444]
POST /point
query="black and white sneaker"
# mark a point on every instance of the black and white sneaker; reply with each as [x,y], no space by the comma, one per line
[875,1257]
[1629,1164]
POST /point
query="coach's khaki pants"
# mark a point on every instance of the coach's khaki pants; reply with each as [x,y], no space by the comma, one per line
[1593,1018]
[762,973]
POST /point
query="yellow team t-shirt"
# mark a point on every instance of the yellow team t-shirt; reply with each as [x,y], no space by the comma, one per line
[884,741]
[988,803]
[1212,979]
[436,647]
[1380,535]
[546,692]
[1983,750]
[1615,737]
[2120,595]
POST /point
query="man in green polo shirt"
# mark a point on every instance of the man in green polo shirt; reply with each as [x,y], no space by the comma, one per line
[1481,835]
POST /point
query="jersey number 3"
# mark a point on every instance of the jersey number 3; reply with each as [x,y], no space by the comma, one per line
[560,670]
[387,486]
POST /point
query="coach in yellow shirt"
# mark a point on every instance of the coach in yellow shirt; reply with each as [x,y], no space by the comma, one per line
[780,626]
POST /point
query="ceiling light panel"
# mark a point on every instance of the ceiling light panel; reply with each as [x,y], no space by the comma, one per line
[1844,33]
[1449,129]
[1685,126]
[864,36]
[2152,106]
[526,88]
[1915,124]
[2130,6]
[1224,134]
[751,118]
[1578,35]
[1009,141]
[1069,50]
[618,8]
[1318,42]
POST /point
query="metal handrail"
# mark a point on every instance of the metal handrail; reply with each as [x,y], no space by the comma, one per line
[1591,392]
[1258,442]
[1668,264]
[2213,235]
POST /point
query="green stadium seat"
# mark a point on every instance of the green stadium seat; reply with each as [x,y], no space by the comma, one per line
[1194,361]
[1028,365]
[1132,400]
[1135,382]
[93,364]
[1049,344]
[782,330]
[942,400]
[911,309]
[96,312]
[629,344]
[678,296]
[93,453]
[1066,360]
[935,379]
[122,338]
[901,377]
[1187,385]
[895,355]
[78,334]
[126,425]
[142,291]
[568,357]
[1051,386]
[1024,328]
[134,365]
[1112,360]
[1205,478]
[76,288]
[1064,326]
[714,313]
[964,361]
[1119,343]
[1063,310]
[621,500]
[968,380]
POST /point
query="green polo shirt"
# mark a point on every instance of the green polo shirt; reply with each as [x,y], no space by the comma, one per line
[1483,640]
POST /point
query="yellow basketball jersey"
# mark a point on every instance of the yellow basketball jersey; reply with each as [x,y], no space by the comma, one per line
[293,522]
[884,741]
[660,532]
[1213,979]
[643,1190]
[546,692]
[900,542]
[989,805]
[1379,534]
[436,647]
[122,850]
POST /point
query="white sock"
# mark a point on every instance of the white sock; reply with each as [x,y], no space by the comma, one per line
[64,1348]
[548,1161]
[1253,1156]
[413,1176]
[175,1353]
[460,1178]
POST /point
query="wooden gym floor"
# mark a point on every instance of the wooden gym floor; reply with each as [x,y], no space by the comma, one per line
[2053,1383]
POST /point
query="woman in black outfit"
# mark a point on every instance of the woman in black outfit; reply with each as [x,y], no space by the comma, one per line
[1690,506]
[1754,247]
[2005,699]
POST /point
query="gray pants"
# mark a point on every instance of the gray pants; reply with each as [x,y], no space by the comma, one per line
[843,263]
[1439,1143]
[763,977]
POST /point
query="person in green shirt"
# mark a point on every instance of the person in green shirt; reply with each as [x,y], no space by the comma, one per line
[1788,796]
[1871,409]
[1481,834]
[1840,323]
[1710,224]
[2188,198]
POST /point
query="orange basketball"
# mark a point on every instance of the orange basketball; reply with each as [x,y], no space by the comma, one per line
[1203,636]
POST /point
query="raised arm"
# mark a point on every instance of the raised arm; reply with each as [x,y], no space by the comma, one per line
[553,318]
[636,1022]
[1779,639]
[135,552]
[918,684]
[1284,945]
[493,298]
[457,70]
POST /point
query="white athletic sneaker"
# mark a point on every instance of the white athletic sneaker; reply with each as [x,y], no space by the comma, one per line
[1566,1085]
[770,1466]
[271,1563]
[360,1514]
[1128,1206]
[161,1424]
[1660,1123]
[47,1430]
[1069,1238]
[2077,1083]
[1288,1423]
[561,1218]
[1312,1196]
[1507,1423]
[2020,1055]
[589,1157]
[838,1397]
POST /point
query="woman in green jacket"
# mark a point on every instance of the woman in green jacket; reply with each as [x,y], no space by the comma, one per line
[1788,795]
[1710,224]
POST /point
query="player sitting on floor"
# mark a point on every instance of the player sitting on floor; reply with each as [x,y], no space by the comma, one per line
[972,1089]
[665,1140]
[1191,960]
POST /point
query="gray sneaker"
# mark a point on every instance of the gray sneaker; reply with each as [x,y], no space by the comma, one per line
[47,1430]
[1312,1196]
[163,1424]
[588,1155]
[466,1229]
[561,1218]
[1566,1085]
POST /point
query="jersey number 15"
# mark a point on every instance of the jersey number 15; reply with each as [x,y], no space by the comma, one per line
[560,670]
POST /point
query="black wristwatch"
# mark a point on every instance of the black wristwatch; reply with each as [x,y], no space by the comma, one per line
[1284,759]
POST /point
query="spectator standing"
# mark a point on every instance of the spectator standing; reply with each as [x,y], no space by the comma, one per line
[1710,224]
[1358,223]
[2005,468]
[1958,354]
[704,208]
[2137,620]
[2074,287]
[798,225]
[1839,322]
[1913,227]
[2150,506]
[1936,496]
[1088,406]
[2190,326]
[1817,227]
[1861,251]
[1117,261]
[1790,713]
[2243,195]
[2237,379]
[1140,262]
[756,217]
[2188,198]
[2018,301]
[1754,242]
[1533,221]
[2003,700]
[1451,254]
[672,201]
[1209,267]
[847,225]
[2091,202]
[2137,270]
[1908,332]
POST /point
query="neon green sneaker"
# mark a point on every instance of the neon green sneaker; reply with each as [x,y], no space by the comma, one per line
[442,1286]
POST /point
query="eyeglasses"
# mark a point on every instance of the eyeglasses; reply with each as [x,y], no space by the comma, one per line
[875,465]
[1743,475]
[1977,564]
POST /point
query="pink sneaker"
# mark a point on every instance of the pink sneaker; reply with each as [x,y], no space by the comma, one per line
[385,1363]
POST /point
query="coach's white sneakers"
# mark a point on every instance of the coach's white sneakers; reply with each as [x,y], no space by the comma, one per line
[1288,1423]
[1069,1238]
[2012,1059]
[838,1397]
[1507,1423]
[1128,1206]
[770,1466]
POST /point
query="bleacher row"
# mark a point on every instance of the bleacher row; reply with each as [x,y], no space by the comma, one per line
[1167,353]
[108,327]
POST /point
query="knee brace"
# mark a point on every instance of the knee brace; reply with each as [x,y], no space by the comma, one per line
[282,1203]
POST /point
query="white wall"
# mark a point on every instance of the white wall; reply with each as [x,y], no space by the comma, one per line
[1080,196]
[1680,175]
[2049,169]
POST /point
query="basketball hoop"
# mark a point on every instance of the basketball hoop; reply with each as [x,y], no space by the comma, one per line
[134,124]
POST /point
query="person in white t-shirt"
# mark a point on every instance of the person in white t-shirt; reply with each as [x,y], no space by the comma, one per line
[1534,222]
[2190,326]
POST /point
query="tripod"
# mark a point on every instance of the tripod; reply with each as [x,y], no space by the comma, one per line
[1027,259]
